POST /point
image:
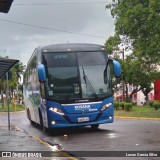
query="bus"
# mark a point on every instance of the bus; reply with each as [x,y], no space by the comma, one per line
[67,85]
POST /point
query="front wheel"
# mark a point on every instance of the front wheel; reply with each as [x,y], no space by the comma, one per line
[45,130]
[29,117]
[94,126]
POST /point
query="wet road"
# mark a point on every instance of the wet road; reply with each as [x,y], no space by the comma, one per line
[122,135]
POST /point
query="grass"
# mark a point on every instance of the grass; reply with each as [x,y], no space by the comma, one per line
[12,108]
[139,111]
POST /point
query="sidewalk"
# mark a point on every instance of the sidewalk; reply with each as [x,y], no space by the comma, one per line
[16,139]
[17,144]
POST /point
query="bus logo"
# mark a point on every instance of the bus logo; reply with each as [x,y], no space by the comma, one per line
[82,107]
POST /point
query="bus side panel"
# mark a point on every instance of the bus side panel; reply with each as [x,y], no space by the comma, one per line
[29,107]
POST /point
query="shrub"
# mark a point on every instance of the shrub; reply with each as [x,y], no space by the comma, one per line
[151,103]
[156,104]
[122,104]
[116,105]
[127,106]
[134,103]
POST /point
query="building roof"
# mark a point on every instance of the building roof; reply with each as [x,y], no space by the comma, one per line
[6,65]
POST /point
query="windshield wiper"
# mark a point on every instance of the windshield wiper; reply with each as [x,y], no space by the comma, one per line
[88,83]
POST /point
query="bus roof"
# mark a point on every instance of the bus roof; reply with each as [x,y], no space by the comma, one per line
[72,47]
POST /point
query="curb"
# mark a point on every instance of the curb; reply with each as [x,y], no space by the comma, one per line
[141,118]
[12,112]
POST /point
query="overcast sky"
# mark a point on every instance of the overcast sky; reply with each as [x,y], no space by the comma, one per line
[19,41]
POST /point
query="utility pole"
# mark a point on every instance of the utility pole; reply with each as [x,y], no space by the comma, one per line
[123,84]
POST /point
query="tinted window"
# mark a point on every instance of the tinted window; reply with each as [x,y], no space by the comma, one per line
[91,58]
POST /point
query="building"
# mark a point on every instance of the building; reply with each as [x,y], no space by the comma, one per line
[138,97]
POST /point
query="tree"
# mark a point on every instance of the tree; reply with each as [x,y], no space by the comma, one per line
[2,86]
[139,20]
[17,72]
[14,80]
[137,26]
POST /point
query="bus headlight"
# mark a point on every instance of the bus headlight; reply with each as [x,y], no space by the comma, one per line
[56,110]
[106,106]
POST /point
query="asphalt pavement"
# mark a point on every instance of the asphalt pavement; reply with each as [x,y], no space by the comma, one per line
[18,143]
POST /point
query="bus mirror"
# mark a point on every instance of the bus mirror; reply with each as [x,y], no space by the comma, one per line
[116,67]
[41,73]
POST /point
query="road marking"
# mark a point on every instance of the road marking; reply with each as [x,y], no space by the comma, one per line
[63,153]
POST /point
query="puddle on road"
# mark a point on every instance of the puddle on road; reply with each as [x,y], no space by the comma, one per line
[112,135]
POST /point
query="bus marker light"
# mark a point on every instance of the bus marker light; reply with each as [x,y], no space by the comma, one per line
[110,117]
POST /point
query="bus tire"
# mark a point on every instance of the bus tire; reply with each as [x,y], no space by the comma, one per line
[29,116]
[94,126]
[41,123]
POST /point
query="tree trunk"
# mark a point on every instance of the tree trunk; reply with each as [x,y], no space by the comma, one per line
[134,91]
[126,89]
[147,99]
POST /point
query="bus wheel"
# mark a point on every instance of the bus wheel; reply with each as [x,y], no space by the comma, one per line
[29,116]
[94,126]
[41,123]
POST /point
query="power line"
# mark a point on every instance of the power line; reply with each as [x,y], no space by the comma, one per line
[51,4]
[53,29]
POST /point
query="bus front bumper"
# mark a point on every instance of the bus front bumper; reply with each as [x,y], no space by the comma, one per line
[55,124]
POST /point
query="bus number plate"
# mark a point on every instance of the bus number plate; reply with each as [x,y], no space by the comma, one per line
[83,119]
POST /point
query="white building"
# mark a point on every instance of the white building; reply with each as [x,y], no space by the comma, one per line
[138,97]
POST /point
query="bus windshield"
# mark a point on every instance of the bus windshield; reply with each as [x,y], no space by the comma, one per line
[77,76]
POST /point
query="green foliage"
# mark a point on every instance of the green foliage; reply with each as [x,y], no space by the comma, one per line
[151,103]
[122,104]
[116,105]
[134,103]
[140,21]
[156,104]
[112,44]
[137,24]
[139,111]
[16,73]
[12,108]
[127,106]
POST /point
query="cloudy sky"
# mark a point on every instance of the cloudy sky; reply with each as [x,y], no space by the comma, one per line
[34,23]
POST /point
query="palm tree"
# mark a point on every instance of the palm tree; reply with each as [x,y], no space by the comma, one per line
[17,72]
[14,79]
[19,69]
[2,85]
